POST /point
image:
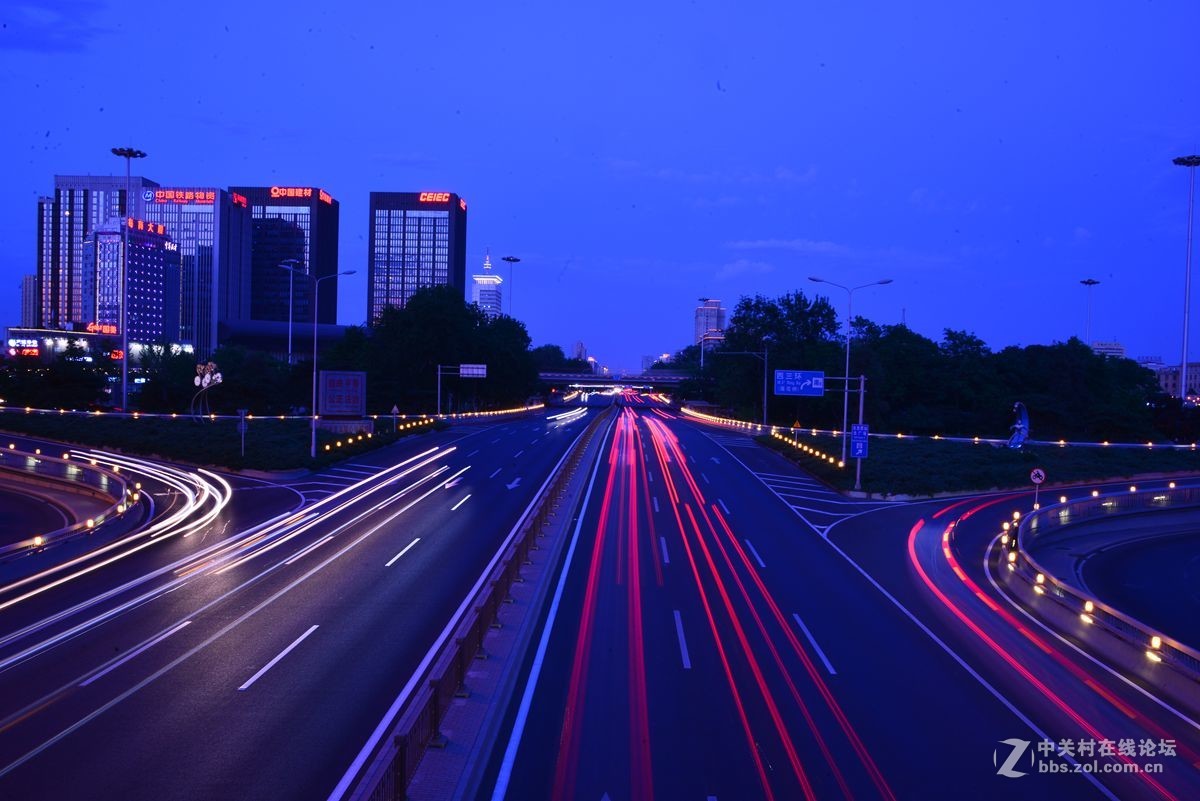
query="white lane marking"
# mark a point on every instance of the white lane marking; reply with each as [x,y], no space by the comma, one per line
[655,500]
[133,653]
[683,650]
[754,552]
[454,508]
[518,453]
[663,542]
[724,508]
[813,642]
[497,439]
[278,656]
[649,476]
[496,473]
[472,453]
[504,775]
[403,551]
[534,440]
[706,481]
[1013,603]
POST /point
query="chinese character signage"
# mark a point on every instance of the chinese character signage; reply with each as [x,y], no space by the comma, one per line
[806,383]
[147,227]
[101,328]
[343,393]
[185,196]
[291,191]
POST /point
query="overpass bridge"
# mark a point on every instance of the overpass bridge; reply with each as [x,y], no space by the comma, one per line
[651,378]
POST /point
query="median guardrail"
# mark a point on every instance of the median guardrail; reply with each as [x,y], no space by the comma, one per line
[417,727]
[71,475]
[1040,527]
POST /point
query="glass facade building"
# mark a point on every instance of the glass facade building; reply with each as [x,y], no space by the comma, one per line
[212,228]
[297,225]
[417,240]
[80,205]
[153,275]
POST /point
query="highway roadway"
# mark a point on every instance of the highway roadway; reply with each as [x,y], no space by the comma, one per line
[254,658]
[729,628]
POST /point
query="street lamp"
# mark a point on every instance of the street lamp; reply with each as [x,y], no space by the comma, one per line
[1191,162]
[127,153]
[290,266]
[316,301]
[1087,332]
[511,261]
[846,381]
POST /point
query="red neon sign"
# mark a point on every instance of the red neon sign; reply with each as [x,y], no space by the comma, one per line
[101,328]
[325,196]
[147,227]
[240,200]
[292,191]
[184,196]
[434,197]
[462,204]
[116,355]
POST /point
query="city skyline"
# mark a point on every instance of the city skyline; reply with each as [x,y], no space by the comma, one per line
[999,159]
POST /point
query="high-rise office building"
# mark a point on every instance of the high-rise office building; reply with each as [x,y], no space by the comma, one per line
[485,289]
[81,203]
[153,275]
[29,301]
[710,323]
[417,240]
[212,228]
[298,226]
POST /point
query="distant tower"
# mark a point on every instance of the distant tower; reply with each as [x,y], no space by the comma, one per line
[710,323]
[485,289]
[30,304]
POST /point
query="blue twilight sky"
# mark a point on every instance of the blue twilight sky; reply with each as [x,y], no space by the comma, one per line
[638,156]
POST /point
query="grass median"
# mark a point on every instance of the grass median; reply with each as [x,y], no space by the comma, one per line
[920,466]
[271,444]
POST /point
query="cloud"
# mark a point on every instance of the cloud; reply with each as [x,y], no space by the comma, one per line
[743,267]
[56,26]
[780,175]
[813,246]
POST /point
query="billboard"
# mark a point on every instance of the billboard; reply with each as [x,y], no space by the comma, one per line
[343,393]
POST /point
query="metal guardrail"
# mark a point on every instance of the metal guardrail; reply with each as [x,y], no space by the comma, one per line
[417,728]
[71,475]
[1039,529]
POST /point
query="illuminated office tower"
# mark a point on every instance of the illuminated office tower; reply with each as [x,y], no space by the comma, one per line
[298,226]
[153,275]
[212,228]
[417,240]
[485,289]
[80,205]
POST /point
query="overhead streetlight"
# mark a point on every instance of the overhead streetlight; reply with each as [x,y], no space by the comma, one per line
[511,261]
[846,380]
[1191,162]
[129,154]
[1087,331]
[290,266]
[316,302]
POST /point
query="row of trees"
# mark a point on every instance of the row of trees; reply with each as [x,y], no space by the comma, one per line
[957,386]
[400,355]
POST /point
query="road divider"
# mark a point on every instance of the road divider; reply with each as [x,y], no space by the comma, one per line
[385,765]
[1019,565]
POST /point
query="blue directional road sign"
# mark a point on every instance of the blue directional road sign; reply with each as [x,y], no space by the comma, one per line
[807,383]
[858,440]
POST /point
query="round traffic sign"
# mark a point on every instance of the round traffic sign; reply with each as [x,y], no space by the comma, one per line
[1038,475]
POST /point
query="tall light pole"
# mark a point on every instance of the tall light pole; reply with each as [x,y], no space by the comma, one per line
[1191,162]
[127,153]
[316,302]
[290,266]
[1087,331]
[511,261]
[767,339]
[846,379]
